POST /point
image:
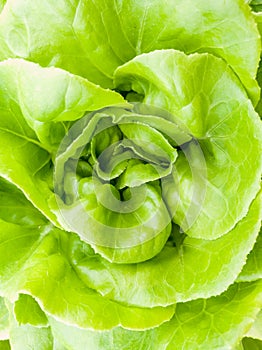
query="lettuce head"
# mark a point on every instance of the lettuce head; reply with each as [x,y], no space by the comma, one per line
[130,169]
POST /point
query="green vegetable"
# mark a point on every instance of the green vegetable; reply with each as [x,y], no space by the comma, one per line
[130,167]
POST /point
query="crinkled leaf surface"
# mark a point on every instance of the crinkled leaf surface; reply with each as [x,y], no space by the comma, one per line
[93,38]
[205,140]
[255,331]
[253,267]
[197,268]
[23,159]
[35,262]
[29,326]
[220,323]
[206,97]
[127,231]
[28,337]
[27,311]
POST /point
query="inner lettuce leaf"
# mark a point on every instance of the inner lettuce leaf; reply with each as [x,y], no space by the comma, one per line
[131,230]
[92,38]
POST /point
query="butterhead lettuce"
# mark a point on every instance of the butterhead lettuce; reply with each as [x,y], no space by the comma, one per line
[130,167]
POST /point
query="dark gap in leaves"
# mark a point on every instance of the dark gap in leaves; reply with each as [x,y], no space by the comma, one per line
[177,236]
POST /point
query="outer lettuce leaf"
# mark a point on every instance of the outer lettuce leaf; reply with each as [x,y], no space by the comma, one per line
[256,5]
[253,267]
[5,345]
[34,261]
[251,344]
[27,311]
[259,79]
[214,107]
[2,4]
[4,321]
[177,274]
[27,337]
[15,208]
[220,321]
[255,331]
[80,305]
[93,38]
[29,326]
[69,96]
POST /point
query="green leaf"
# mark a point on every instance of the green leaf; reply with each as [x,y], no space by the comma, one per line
[194,269]
[27,311]
[2,4]
[252,270]
[93,38]
[220,323]
[130,229]
[28,337]
[25,89]
[219,167]
[251,344]
[15,208]
[123,232]
[255,331]
[4,345]
[42,270]
[4,321]
[256,5]
[121,224]
[69,96]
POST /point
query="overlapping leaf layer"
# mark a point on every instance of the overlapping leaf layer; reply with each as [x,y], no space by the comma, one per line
[130,166]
